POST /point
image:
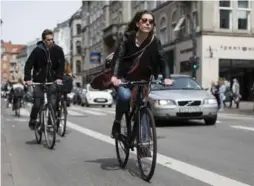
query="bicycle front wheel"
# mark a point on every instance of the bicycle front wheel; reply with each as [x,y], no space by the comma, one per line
[49,127]
[62,119]
[147,143]
[121,143]
[38,127]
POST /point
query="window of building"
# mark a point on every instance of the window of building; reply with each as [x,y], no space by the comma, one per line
[78,29]
[78,66]
[163,30]
[243,4]
[225,3]
[243,15]
[173,22]
[78,47]
[225,11]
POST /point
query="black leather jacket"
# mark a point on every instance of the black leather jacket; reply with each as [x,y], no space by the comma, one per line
[154,52]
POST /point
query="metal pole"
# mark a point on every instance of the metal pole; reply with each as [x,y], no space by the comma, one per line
[187,5]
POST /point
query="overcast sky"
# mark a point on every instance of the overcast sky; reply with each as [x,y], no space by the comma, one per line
[24,21]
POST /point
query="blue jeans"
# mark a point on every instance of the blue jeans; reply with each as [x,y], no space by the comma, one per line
[122,106]
[122,101]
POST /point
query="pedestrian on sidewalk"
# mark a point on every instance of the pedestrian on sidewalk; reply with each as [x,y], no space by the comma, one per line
[236,92]
[222,90]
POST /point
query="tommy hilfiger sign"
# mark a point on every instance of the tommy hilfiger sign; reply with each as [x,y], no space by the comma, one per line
[236,48]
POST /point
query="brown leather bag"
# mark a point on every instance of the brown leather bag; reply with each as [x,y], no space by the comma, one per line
[102,81]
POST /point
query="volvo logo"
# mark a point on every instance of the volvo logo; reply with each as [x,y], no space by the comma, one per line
[189,103]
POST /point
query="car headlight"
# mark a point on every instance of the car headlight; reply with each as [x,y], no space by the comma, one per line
[164,102]
[210,101]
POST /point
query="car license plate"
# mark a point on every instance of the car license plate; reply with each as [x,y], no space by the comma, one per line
[100,99]
[189,109]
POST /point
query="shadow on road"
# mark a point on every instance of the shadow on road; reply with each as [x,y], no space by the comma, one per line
[111,164]
[173,123]
[43,142]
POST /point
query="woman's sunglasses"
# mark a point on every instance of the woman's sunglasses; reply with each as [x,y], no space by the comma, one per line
[145,20]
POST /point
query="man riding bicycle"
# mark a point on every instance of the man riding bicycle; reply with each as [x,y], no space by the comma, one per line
[18,92]
[146,57]
[47,61]
[15,81]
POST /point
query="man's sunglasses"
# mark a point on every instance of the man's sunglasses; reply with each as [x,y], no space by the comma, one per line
[144,20]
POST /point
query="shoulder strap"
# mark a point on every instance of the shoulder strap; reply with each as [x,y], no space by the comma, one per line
[140,51]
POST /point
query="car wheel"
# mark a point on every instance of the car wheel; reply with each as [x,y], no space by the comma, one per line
[211,121]
[110,106]
[87,105]
[82,104]
[103,105]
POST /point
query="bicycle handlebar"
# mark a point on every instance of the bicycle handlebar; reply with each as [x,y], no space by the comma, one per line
[142,82]
[48,83]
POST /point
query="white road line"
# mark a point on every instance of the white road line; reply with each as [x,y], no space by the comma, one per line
[24,112]
[73,113]
[87,111]
[235,116]
[182,167]
[243,128]
[103,110]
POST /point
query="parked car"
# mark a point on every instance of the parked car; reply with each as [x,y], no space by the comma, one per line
[97,97]
[185,100]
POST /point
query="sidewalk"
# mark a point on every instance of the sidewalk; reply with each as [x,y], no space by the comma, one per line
[245,108]
[6,172]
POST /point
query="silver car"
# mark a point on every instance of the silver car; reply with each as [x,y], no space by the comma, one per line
[185,99]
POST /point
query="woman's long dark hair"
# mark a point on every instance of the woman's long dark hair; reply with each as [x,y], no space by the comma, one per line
[132,25]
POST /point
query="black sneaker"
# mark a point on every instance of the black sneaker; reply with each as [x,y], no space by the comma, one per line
[31,124]
[116,129]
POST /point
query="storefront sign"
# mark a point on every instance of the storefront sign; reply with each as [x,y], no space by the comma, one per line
[236,48]
[95,57]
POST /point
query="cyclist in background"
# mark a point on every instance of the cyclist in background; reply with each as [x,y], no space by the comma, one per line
[47,61]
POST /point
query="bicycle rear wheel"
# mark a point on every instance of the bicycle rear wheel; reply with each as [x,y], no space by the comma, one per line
[62,119]
[38,127]
[17,107]
[121,143]
[49,126]
[147,140]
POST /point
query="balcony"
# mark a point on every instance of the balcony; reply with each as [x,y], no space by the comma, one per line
[110,33]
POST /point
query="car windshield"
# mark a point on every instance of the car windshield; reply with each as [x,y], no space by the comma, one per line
[180,83]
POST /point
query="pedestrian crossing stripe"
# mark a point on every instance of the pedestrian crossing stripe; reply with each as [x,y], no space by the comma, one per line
[80,111]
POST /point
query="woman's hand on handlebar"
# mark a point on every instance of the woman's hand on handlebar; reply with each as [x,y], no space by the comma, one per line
[28,82]
[116,82]
[168,81]
[59,82]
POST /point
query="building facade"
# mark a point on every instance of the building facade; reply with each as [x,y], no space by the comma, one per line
[21,58]
[112,20]
[62,38]
[225,31]
[9,54]
[93,23]
[75,46]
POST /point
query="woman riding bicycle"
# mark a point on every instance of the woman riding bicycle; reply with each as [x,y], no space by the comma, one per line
[146,58]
